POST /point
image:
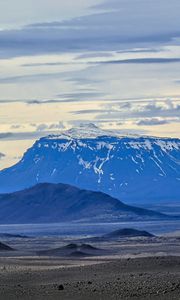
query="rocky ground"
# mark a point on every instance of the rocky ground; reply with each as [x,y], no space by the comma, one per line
[50,278]
[52,268]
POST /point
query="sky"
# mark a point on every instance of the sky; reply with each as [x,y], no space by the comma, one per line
[111,62]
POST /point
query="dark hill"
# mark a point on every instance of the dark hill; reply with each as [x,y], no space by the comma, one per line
[4,247]
[128,232]
[72,250]
[50,203]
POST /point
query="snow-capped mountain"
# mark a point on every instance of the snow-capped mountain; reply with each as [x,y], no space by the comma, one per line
[133,169]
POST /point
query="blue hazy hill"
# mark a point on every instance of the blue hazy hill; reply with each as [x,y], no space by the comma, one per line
[53,203]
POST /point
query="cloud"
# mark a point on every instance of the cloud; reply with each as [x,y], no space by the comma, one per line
[16,126]
[136,110]
[18,136]
[116,28]
[19,12]
[147,60]
[94,55]
[89,111]
[31,78]
[139,50]
[152,122]
[76,75]
[48,64]
[41,102]
[53,126]
[11,136]
[81,95]
[33,101]
[2,155]
[84,58]
[70,97]
[37,131]
[5,135]
[166,109]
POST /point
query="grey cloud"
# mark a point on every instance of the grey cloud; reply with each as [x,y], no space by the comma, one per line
[2,155]
[113,29]
[17,136]
[84,80]
[126,105]
[5,135]
[10,136]
[139,50]
[56,126]
[132,131]
[16,126]
[152,122]
[41,127]
[58,63]
[70,97]
[44,127]
[38,131]
[166,109]
[55,101]
[106,4]
[41,102]
[89,111]
[51,101]
[148,60]
[80,95]
[30,78]
[94,55]
[64,75]
[177,81]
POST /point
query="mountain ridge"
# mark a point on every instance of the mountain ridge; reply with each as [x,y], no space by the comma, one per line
[134,169]
[51,203]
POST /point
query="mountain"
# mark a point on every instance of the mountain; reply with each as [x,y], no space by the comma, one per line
[132,168]
[4,247]
[128,232]
[73,250]
[51,203]
[11,236]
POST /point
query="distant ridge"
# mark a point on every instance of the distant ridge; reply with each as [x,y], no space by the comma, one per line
[128,232]
[51,203]
[72,250]
[4,247]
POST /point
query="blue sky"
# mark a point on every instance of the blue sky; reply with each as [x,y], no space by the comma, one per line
[115,63]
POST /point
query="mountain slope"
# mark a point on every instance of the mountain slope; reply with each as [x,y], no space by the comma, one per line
[135,169]
[4,247]
[53,203]
[128,232]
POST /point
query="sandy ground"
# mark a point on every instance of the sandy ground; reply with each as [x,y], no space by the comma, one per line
[136,268]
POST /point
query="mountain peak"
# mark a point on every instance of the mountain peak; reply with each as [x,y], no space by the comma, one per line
[134,169]
[85,130]
[89,130]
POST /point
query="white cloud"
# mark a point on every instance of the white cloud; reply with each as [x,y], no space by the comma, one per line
[21,12]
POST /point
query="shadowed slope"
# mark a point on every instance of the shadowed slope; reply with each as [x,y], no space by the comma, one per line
[50,203]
